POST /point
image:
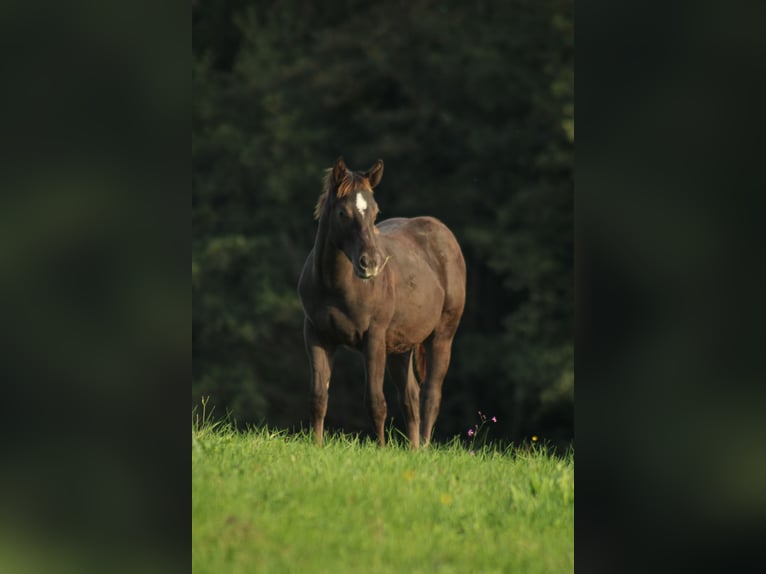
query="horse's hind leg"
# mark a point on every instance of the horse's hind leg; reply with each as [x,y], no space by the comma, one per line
[438,352]
[403,376]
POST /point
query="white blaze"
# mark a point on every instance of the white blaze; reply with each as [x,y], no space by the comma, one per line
[361,204]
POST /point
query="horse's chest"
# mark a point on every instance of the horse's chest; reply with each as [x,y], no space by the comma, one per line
[339,326]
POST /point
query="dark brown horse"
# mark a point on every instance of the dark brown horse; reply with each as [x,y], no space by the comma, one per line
[385,290]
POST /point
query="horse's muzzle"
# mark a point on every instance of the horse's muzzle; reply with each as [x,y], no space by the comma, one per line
[367,266]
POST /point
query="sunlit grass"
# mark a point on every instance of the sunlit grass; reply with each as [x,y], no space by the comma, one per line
[268,501]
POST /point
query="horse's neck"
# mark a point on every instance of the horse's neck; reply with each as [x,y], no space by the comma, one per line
[331,266]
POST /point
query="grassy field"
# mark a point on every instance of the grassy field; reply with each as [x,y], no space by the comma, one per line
[264,501]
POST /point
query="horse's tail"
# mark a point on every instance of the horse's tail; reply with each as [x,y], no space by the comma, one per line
[420,363]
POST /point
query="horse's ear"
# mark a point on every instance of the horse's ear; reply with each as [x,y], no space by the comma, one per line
[375,173]
[339,170]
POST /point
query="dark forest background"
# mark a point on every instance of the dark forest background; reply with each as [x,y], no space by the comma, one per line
[470,105]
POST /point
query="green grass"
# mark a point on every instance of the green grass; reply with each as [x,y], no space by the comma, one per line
[264,501]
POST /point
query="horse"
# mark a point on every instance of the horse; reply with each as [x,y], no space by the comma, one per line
[390,291]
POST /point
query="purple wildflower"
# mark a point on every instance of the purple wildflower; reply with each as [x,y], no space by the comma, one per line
[493,419]
[470,432]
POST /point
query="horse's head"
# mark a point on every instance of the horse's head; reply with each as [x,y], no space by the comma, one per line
[351,211]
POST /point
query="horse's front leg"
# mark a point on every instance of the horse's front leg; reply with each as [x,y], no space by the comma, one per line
[375,366]
[320,362]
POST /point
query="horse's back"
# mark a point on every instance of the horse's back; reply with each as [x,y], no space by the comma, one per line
[437,246]
[428,234]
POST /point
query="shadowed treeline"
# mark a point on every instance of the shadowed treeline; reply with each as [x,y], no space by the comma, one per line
[470,105]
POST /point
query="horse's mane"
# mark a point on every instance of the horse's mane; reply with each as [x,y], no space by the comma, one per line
[351,182]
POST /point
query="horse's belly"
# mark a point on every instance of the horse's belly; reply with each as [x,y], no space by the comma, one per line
[415,319]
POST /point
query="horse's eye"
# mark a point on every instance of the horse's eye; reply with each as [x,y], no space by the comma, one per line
[342,214]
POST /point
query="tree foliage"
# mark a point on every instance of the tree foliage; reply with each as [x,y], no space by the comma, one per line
[471,107]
